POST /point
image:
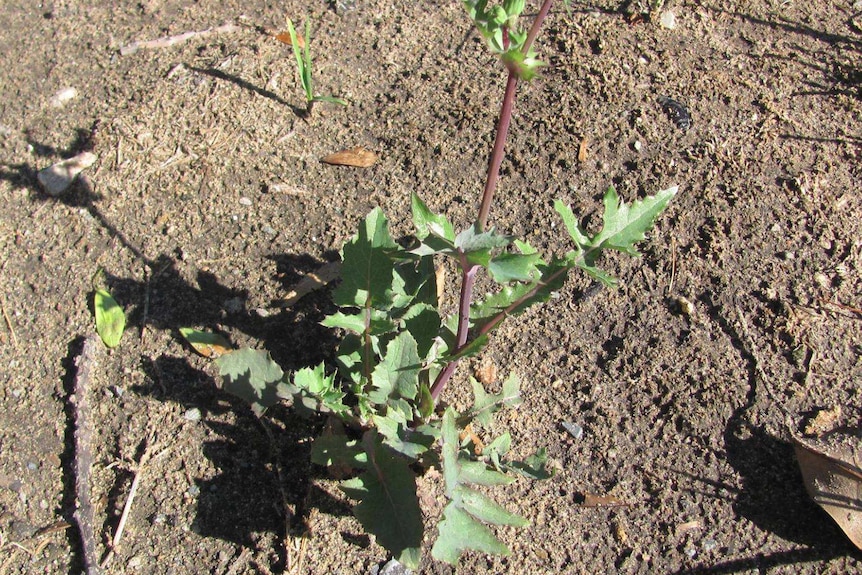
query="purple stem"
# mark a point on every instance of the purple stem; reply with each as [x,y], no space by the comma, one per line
[468,272]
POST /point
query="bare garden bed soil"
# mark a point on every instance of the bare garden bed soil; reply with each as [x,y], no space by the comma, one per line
[208,203]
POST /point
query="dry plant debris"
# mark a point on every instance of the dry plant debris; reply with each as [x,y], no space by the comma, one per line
[357,157]
[831,466]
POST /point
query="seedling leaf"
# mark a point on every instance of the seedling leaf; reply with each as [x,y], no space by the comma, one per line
[388,507]
[110,319]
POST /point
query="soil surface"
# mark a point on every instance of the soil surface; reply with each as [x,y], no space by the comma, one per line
[208,203]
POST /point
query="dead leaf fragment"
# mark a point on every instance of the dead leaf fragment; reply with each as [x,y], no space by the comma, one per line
[593,500]
[823,422]
[357,157]
[583,153]
[487,373]
[210,345]
[832,471]
[284,37]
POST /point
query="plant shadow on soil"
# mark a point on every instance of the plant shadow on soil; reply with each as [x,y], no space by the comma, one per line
[772,494]
[265,480]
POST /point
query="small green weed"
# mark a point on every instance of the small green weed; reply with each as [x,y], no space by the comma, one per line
[302,53]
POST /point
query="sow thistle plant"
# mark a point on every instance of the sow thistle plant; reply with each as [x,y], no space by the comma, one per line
[399,351]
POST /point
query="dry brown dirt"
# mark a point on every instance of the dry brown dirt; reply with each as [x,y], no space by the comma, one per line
[208,203]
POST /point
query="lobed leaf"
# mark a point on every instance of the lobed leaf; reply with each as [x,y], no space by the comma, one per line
[505,268]
[253,376]
[624,225]
[397,374]
[484,509]
[330,450]
[367,267]
[427,222]
[459,532]
[388,506]
[313,384]
[486,404]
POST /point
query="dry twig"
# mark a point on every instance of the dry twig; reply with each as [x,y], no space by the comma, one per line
[168,41]
[84,513]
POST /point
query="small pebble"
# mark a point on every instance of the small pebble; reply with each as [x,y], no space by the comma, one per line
[691,552]
[60,98]
[574,429]
[245,201]
[135,562]
[193,414]
[193,490]
[667,20]
[638,145]
[59,177]
[709,544]
[268,230]
[822,279]
[32,466]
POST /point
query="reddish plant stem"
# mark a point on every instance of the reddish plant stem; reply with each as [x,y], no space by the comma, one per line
[468,279]
[468,273]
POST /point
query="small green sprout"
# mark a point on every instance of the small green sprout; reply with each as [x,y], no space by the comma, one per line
[303,65]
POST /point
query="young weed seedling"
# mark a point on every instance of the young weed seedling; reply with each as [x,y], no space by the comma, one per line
[302,53]
[399,350]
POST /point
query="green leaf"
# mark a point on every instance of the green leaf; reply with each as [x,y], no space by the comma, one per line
[476,472]
[580,238]
[207,344]
[426,402]
[506,267]
[472,240]
[624,225]
[338,450]
[471,348]
[252,375]
[515,299]
[423,322]
[486,510]
[367,269]
[524,66]
[377,325]
[399,436]
[449,435]
[427,222]
[110,319]
[486,405]
[388,506]
[534,467]
[397,374]
[316,385]
[459,532]
[303,65]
